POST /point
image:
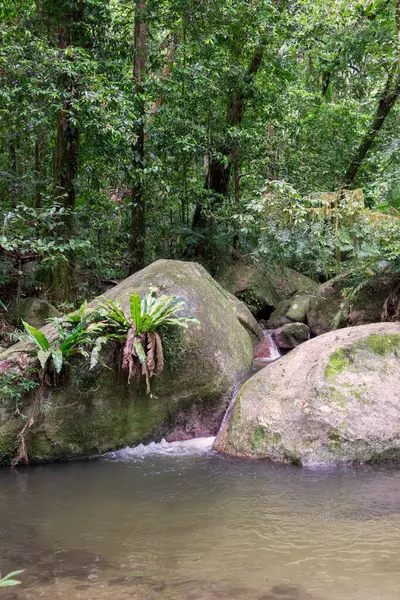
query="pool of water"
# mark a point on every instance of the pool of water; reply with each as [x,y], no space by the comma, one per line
[194,527]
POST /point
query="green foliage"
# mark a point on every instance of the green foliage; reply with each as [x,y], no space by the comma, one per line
[140,331]
[323,65]
[75,334]
[8,580]
[13,386]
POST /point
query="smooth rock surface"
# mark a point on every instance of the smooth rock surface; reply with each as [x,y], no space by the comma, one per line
[334,400]
[262,288]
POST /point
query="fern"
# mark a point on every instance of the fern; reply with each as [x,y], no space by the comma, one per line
[140,332]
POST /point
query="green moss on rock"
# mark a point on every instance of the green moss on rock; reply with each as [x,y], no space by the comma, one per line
[382,345]
[97,411]
[337,363]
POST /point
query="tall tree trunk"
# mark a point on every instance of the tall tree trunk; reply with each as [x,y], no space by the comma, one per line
[66,164]
[13,169]
[166,74]
[138,210]
[218,172]
[236,177]
[386,102]
[39,168]
[67,19]
[66,147]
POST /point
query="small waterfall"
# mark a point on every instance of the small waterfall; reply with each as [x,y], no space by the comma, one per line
[230,408]
[266,351]
[193,447]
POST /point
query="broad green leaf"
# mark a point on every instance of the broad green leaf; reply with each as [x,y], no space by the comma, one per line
[58,360]
[43,356]
[135,311]
[37,336]
[8,580]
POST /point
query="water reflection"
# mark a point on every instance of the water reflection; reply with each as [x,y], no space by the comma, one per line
[200,528]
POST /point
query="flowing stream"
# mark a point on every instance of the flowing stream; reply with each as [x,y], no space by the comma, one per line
[177,522]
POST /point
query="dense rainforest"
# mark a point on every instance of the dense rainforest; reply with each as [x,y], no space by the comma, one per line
[207,130]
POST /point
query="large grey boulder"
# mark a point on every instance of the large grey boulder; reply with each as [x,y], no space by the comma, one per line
[328,303]
[333,400]
[96,411]
[262,288]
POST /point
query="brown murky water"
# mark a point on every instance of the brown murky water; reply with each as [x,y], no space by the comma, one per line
[200,528]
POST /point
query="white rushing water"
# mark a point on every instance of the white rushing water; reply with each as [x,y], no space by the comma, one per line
[273,348]
[194,447]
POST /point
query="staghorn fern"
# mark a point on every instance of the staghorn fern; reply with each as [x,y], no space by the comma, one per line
[140,332]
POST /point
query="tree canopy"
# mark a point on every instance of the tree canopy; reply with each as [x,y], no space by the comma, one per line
[132,130]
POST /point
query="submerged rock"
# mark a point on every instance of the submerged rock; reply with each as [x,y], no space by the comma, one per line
[97,411]
[333,400]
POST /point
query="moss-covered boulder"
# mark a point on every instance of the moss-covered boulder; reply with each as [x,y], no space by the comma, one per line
[327,309]
[333,400]
[298,309]
[97,411]
[291,335]
[288,282]
[251,284]
[262,289]
[290,310]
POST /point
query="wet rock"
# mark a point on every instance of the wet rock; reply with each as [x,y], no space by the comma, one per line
[264,348]
[325,306]
[203,364]
[291,335]
[333,400]
[288,592]
[278,317]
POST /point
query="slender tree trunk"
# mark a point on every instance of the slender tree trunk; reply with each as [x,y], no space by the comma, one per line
[66,164]
[39,168]
[237,121]
[65,168]
[386,102]
[218,172]
[138,210]
[166,73]
[13,169]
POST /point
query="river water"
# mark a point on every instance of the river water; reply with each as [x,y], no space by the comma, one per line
[192,526]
